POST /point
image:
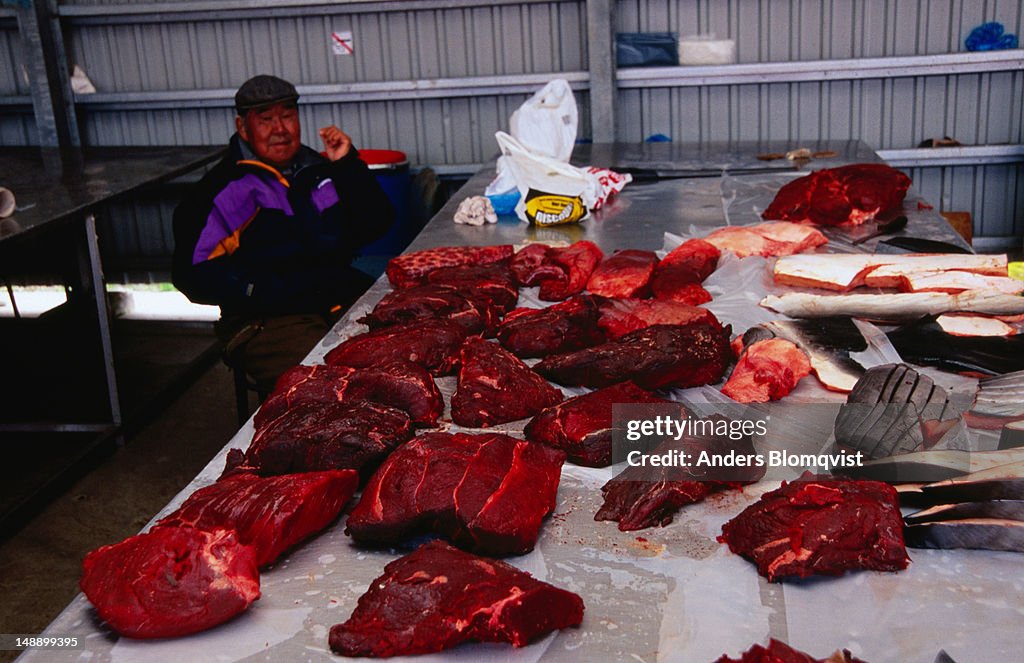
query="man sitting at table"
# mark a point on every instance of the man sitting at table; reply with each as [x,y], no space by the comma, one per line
[269,233]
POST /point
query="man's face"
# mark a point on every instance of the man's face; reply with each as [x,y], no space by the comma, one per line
[273,133]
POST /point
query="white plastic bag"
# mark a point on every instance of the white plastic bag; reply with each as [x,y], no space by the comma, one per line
[546,122]
[551,192]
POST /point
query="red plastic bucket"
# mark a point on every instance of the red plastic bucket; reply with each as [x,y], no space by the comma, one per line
[384,159]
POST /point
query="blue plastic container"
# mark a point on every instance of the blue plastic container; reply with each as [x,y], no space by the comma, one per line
[391,168]
[504,203]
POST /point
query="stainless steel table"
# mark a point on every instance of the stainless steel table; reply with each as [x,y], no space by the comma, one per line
[58,194]
[705,186]
[662,594]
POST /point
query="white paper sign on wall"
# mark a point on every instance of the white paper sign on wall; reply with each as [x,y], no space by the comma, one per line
[341,42]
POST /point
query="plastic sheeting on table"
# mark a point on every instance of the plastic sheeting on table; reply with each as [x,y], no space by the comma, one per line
[662,594]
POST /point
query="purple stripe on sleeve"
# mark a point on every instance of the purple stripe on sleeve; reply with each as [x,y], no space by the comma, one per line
[234,206]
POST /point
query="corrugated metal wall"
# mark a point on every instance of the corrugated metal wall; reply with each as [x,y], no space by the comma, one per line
[787,30]
[426,42]
[994,195]
[17,123]
[423,44]
[976,109]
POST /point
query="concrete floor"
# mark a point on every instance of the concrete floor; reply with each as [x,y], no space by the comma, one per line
[41,563]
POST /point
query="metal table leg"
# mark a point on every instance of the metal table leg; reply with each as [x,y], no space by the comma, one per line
[99,292]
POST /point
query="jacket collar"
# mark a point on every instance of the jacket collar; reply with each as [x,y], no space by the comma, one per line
[239,150]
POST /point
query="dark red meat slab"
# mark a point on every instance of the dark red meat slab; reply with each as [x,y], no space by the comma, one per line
[641,504]
[820,526]
[171,581]
[400,384]
[780,652]
[563,327]
[679,274]
[559,271]
[529,266]
[582,426]
[618,317]
[487,493]
[270,513]
[438,597]
[653,357]
[623,274]
[432,343]
[847,194]
[325,436]
[406,305]
[411,269]
[642,496]
[578,261]
[496,387]
[492,280]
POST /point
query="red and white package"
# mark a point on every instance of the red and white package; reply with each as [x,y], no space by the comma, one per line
[611,183]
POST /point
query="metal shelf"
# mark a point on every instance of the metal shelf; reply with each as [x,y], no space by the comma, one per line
[822,70]
[214,10]
[436,88]
[971,155]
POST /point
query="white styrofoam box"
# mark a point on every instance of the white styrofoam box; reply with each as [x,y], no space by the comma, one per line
[706,49]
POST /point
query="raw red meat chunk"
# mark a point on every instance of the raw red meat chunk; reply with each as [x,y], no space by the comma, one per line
[405,305]
[563,327]
[679,274]
[487,493]
[325,436]
[529,268]
[621,316]
[171,581]
[493,281]
[767,371]
[849,194]
[582,426]
[649,496]
[780,652]
[438,597]
[400,384]
[623,274]
[270,513]
[496,387]
[560,272]
[823,526]
[432,343]
[767,239]
[411,269]
[654,357]
[578,262]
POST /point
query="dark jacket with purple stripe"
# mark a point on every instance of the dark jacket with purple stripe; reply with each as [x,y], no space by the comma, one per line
[257,243]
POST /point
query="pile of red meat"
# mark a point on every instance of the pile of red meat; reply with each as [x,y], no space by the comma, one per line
[486,493]
[848,195]
[637,323]
[623,325]
[197,567]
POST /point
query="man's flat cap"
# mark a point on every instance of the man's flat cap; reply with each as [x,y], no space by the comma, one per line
[262,91]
